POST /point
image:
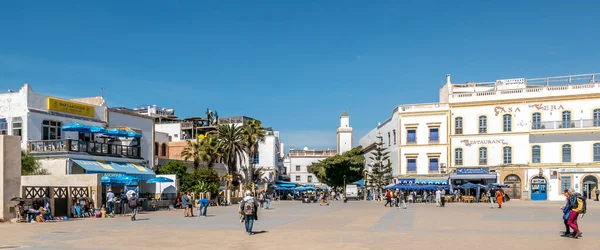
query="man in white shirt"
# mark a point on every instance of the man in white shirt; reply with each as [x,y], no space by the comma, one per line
[438,197]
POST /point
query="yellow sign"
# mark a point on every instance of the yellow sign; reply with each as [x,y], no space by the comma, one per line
[65,106]
[139,167]
[104,165]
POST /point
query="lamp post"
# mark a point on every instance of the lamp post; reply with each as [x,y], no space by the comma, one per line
[344,186]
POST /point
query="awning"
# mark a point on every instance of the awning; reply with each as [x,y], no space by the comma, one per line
[432,181]
[473,176]
[108,168]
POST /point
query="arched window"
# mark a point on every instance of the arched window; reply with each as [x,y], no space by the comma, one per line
[458,156]
[596,117]
[566,119]
[536,154]
[536,120]
[483,156]
[458,125]
[596,151]
[156,148]
[483,124]
[163,149]
[507,155]
[507,123]
[566,153]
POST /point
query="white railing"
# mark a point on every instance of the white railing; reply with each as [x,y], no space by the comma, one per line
[314,153]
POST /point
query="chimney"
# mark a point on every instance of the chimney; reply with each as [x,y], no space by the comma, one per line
[448,79]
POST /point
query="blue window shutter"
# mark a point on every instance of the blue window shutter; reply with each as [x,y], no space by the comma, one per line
[412,165]
[434,134]
[433,164]
[412,136]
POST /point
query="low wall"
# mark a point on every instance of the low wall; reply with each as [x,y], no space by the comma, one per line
[10,173]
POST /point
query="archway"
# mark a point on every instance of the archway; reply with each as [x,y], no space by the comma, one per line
[514,186]
[590,184]
[539,188]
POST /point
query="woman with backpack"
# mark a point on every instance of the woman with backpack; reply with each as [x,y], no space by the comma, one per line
[248,208]
[578,207]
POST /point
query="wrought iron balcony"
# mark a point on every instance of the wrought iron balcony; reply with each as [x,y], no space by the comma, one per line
[69,145]
[589,123]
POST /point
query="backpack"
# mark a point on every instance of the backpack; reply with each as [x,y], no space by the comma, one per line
[584,207]
[132,202]
[248,207]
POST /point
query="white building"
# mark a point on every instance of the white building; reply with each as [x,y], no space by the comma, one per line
[344,134]
[39,118]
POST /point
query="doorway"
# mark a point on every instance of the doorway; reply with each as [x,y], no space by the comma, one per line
[539,191]
[514,186]
[590,184]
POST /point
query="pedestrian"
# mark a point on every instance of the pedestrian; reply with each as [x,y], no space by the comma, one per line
[597,193]
[500,197]
[123,203]
[578,207]
[566,212]
[133,205]
[185,201]
[261,199]
[248,207]
[491,193]
[438,197]
[443,197]
[110,202]
[388,198]
[204,202]
[402,198]
[268,198]
[397,197]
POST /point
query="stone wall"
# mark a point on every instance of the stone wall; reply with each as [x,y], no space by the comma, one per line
[10,174]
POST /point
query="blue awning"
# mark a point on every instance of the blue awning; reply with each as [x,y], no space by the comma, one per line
[115,169]
[432,181]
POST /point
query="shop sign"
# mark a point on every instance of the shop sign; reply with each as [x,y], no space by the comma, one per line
[74,108]
[538,180]
[112,174]
[472,170]
[540,106]
[468,143]
[499,110]
[579,170]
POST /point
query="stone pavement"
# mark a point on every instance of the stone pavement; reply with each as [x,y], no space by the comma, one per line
[293,225]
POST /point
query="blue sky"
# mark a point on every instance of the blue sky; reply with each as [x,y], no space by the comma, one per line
[295,65]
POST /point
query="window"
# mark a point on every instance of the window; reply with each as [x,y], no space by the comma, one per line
[298,168]
[411,136]
[507,123]
[389,139]
[297,177]
[255,159]
[51,130]
[566,153]
[565,183]
[482,156]
[566,119]
[309,179]
[507,155]
[596,117]
[536,154]
[536,120]
[3,127]
[17,127]
[482,124]
[394,136]
[458,125]
[434,165]
[411,165]
[596,151]
[164,149]
[434,135]
[458,157]
[156,148]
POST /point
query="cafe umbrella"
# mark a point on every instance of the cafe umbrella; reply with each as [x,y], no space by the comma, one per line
[160,180]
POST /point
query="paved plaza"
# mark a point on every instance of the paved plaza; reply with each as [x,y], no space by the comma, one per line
[293,225]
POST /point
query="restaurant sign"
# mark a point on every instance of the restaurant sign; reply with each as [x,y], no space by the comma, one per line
[472,170]
[69,107]
[468,143]
[579,170]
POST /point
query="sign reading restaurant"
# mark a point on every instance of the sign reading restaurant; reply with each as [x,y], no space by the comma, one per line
[468,143]
[472,170]
[69,107]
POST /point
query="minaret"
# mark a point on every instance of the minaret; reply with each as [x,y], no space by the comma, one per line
[344,134]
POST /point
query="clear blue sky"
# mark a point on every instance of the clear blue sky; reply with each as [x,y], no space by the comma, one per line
[296,65]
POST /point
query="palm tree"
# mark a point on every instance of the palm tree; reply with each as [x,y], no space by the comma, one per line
[232,145]
[210,151]
[253,134]
[193,151]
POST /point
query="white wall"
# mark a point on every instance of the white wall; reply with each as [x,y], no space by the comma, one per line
[303,173]
[40,102]
[581,146]
[518,142]
[172,129]
[392,144]
[145,124]
[161,137]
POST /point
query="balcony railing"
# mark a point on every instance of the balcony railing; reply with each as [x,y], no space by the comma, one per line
[69,145]
[566,124]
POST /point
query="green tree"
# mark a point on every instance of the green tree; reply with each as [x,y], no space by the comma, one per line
[205,179]
[30,165]
[381,167]
[232,145]
[179,169]
[193,152]
[210,151]
[253,133]
[332,170]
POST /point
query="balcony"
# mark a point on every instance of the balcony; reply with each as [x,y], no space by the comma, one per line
[557,125]
[312,153]
[96,148]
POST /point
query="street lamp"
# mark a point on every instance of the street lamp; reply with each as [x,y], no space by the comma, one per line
[344,186]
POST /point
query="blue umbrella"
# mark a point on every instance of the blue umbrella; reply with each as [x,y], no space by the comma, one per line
[361,183]
[134,134]
[116,132]
[160,180]
[76,127]
[97,129]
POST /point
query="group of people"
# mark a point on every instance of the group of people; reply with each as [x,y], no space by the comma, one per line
[496,196]
[126,199]
[395,198]
[575,206]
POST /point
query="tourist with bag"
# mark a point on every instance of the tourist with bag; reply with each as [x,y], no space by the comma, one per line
[248,208]
[133,205]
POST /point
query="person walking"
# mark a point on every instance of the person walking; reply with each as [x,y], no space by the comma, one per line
[491,193]
[261,199]
[268,198]
[204,202]
[133,205]
[123,203]
[500,197]
[577,205]
[185,202]
[110,202]
[597,193]
[438,197]
[566,213]
[443,198]
[388,198]
[402,197]
[248,207]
